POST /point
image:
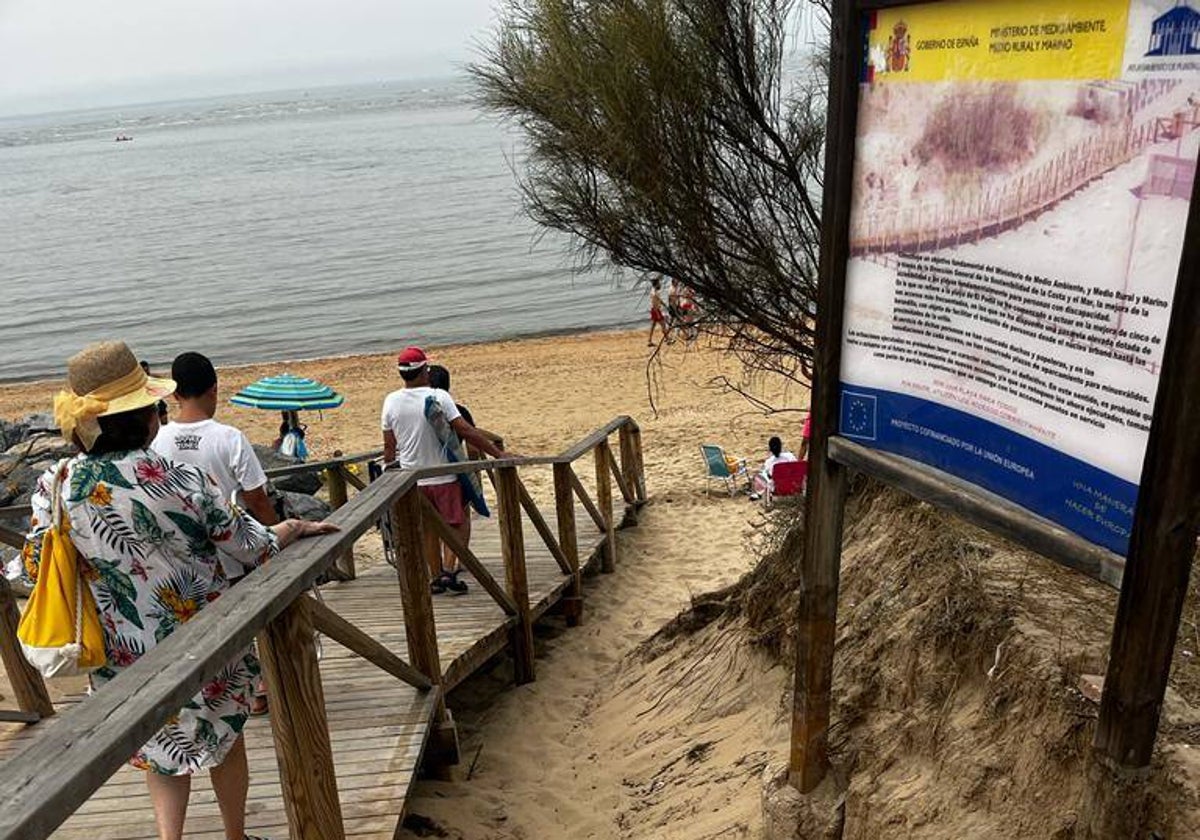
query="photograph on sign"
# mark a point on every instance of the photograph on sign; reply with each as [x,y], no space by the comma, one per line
[1022,180]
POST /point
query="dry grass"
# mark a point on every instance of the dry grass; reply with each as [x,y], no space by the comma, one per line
[988,128]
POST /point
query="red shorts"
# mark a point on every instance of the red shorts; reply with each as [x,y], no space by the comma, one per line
[447,499]
[656,316]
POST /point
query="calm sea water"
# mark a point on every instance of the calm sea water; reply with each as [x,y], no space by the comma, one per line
[283,225]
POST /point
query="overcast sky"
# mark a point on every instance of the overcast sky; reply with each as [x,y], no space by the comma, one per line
[58,54]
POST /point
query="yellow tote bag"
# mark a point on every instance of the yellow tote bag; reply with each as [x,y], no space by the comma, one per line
[60,631]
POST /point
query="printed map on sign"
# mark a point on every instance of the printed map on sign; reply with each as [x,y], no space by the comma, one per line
[1022,182]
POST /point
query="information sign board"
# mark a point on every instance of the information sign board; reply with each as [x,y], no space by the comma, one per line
[1021,187]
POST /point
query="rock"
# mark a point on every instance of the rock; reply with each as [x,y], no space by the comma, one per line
[308,483]
[1091,686]
[302,506]
[42,447]
[20,481]
[13,432]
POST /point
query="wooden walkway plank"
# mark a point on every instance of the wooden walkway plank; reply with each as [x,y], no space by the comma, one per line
[378,725]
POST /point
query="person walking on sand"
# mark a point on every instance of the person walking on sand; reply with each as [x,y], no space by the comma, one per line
[674,301]
[656,311]
[153,536]
[411,441]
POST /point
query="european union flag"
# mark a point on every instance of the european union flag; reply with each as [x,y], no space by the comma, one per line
[858,415]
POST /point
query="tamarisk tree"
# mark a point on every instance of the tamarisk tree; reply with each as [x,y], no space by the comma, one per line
[665,136]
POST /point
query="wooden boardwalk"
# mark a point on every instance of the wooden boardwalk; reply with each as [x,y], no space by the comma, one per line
[378,724]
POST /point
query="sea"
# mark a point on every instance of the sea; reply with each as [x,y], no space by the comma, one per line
[279,226]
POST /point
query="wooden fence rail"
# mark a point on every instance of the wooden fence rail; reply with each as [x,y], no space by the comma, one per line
[64,764]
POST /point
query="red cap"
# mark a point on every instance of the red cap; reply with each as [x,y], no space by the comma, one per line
[411,358]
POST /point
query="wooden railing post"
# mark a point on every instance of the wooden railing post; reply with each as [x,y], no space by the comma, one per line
[564,506]
[640,456]
[289,657]
[512,545]
[337,498]
[604,500]
[412,543]
[631,462]
[26,682]
[409,543]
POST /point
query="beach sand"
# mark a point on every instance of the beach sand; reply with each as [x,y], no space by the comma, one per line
[603,744]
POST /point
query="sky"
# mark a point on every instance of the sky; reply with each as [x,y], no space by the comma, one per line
[66,54]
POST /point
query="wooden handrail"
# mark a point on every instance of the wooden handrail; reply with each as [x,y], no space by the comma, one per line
[44,783]
[317,466]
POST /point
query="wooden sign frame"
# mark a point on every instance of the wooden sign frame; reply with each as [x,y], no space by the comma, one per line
[1153,578]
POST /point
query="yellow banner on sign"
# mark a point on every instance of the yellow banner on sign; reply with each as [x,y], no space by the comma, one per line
[961,40]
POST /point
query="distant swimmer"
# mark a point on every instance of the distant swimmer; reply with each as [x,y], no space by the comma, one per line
[123,137]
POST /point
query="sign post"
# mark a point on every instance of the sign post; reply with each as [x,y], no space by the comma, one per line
[1009,310]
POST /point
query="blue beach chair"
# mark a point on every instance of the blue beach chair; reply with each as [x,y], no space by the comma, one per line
[719,467]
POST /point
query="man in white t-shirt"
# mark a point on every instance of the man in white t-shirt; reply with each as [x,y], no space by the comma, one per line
[194,437]
[411,441]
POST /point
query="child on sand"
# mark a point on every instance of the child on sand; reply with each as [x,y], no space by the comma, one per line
[656,311]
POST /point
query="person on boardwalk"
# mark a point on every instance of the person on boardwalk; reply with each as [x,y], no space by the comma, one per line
[220,450]
[223,451]
[470,484]
[411,440]
[657,318]
[152,535]
[776,454]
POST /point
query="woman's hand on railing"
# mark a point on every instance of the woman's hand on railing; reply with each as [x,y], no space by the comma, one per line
[290,530]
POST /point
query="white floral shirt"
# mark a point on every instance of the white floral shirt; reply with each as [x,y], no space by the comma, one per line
[150,534]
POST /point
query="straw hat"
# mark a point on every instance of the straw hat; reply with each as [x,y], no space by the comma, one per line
[104,379]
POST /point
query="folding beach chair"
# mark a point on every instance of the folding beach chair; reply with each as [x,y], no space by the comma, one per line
[719,467]
[789,478]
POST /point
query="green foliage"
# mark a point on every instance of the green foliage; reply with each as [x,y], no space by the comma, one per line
[663,137]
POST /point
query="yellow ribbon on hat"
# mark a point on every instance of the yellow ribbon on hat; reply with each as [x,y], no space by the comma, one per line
[76,414]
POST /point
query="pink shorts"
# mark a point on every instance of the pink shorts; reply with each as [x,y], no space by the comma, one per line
[447,499]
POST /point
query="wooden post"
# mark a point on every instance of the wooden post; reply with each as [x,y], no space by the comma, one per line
[512,546]
[629,463]
[337,498]
[568,540]
[640,461]
[288,652]
[604,500]
[412,542]
[821,561]
[27,684]
[1163,538]
[408,541]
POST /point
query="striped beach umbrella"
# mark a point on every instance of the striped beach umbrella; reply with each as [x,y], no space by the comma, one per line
[287,393]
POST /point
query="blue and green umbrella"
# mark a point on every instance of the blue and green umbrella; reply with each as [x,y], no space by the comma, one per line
[288,393]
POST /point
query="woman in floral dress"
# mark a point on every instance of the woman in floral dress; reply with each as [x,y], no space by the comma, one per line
[150,534]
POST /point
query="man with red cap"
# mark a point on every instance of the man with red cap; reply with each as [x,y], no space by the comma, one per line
[411,441]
